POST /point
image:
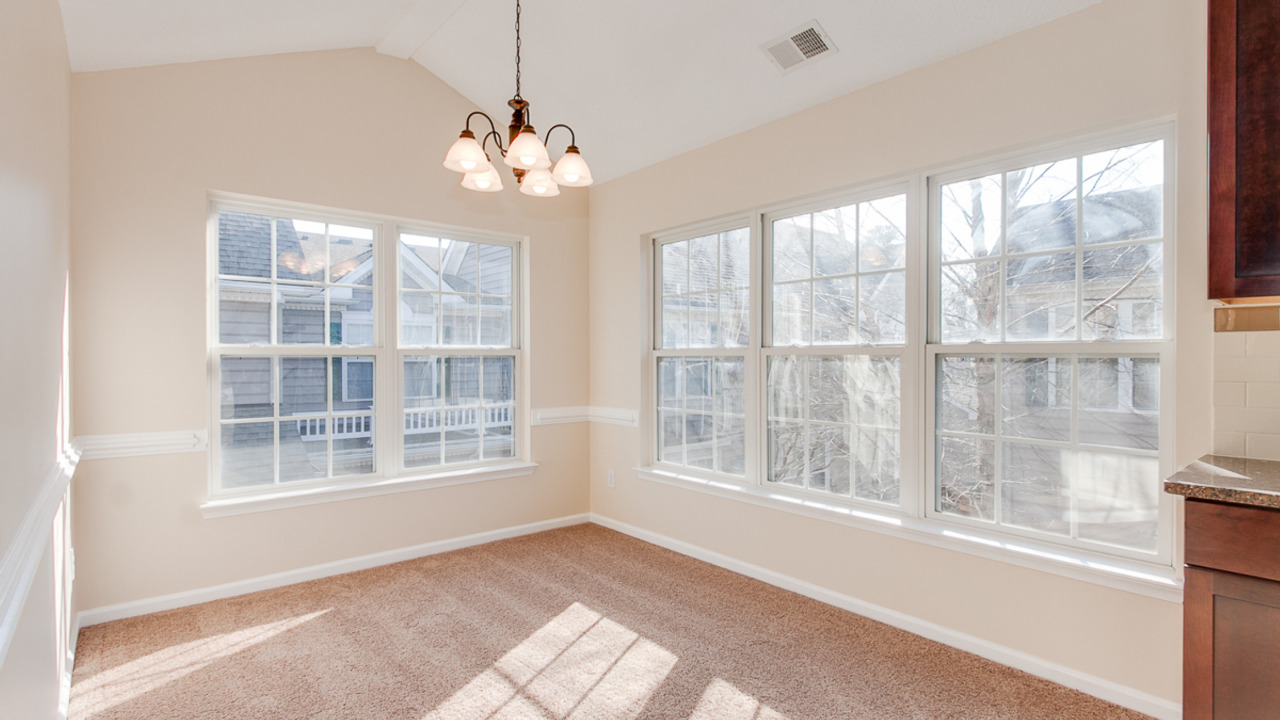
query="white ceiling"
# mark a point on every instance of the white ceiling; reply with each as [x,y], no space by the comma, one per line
[638,80]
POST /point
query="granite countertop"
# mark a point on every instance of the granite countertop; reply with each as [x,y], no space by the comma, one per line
[1229,479]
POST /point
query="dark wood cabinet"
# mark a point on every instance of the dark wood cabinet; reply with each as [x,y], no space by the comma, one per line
[1231,613]
[1244,148]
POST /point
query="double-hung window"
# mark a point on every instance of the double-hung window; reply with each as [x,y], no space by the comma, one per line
[975,353]
[349,349]
[1049,330]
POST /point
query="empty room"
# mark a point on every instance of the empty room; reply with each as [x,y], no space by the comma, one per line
[541,359]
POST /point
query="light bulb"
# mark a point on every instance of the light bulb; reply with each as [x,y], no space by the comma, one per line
[527,152]
[571,170]
[466,155]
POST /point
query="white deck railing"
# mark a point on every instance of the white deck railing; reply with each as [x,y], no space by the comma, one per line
[416,422]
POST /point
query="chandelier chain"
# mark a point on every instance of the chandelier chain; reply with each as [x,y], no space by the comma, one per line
[518,49]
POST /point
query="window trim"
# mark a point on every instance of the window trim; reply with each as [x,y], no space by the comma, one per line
[389,474]
[1154,575]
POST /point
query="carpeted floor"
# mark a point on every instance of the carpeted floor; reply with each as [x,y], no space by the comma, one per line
[575,623]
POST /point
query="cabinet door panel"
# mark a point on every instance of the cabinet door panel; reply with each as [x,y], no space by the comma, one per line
[1232,653]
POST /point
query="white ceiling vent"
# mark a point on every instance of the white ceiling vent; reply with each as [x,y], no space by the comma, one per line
[802,45]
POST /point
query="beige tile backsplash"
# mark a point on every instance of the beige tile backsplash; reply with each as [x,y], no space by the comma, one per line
[1246,394]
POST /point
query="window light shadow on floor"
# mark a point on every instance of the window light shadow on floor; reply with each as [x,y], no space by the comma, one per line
[723,701]
[119,685]
[579,666]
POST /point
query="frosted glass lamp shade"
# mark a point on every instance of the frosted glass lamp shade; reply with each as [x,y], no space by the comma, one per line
[466,155]
[487,181]
[527,152]
[538,183]
[571,170]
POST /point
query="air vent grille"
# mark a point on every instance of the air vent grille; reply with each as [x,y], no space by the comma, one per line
[799,46]
[809,42]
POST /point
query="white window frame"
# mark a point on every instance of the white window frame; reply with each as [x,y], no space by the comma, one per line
[390,475]
[1154,575]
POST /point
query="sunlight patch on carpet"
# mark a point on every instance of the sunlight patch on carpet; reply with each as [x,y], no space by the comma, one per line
[723,701]
[121,684]
[579,666]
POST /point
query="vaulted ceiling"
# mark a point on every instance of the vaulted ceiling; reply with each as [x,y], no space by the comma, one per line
[638,80]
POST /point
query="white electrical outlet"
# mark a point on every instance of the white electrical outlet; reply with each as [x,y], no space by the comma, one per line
[610,478]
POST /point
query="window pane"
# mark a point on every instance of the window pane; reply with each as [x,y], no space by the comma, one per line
[731,440]
[967,394]
[1040,297]
[787,446]
[304,449]
[461,381]
[882,234]
[422,437]
[971,218]
[1035,398]
[791,314]
[1034,489]
[418,318]
[1123,293]
[1107,412]
[835,242]
[244,312]
[791,248]
[735,258]
[877,464]
[1118,499]
[735,318]
[786,387]
[300,250]
[301,314]
[421,382]
[495,270]
[302,386]
[419,262]
[1042,207]
[829,469]
[247,388]
[350,316]
[353,445]
[671,436]
[704,315]
[675,268]
[495,321]
[459,319]
[350,255]
[835,304]
[675,321]
[352,384]
[704,263]
[970,296]
[248,454]
[1124,194]
[966,477]
[882,316]
[244,244]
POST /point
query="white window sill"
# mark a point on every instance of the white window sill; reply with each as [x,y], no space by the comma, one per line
[352,489]
[1152,580]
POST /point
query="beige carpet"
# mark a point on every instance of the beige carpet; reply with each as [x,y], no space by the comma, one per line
[575,623]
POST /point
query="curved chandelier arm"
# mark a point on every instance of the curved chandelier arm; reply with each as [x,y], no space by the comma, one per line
[573,140]
[497,140]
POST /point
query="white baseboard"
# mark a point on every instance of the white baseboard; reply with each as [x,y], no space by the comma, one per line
[1098,687]
[314,572]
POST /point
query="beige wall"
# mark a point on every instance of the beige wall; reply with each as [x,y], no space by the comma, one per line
[1117,63]
[347,129]
[34,194]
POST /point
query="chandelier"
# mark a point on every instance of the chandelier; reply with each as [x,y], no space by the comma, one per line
[526,155]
